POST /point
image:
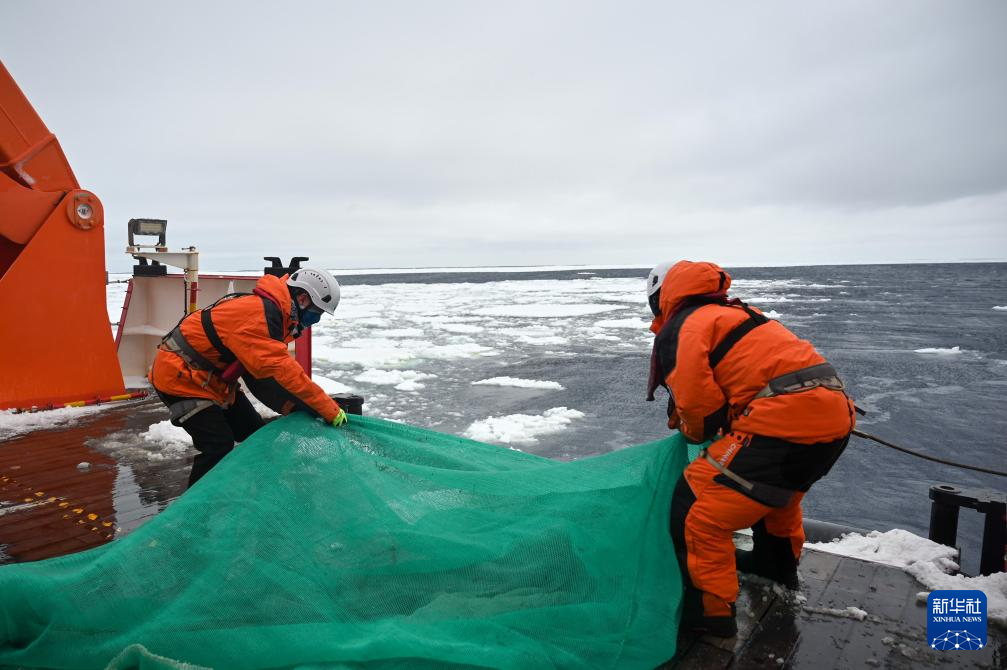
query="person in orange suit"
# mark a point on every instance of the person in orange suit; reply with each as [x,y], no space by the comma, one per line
[778,417]
[243,336]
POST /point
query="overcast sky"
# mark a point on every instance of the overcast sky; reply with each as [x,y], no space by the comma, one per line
[410,134]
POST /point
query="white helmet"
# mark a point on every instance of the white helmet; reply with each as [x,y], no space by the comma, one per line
[321,287]
[654,282]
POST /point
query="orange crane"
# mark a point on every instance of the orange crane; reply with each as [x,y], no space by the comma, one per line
[56,345]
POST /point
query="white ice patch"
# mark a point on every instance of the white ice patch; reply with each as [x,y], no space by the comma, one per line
[939,350]
[635,323]
[603,336]
[547,341]
[173,440]
[444,352]
[925,560]
[768,298]
[402,380]
[20,507]
[522,429]
[772,314]
[402,332]
[519,383]
[12,425]
[897,547]
[363,354]
[330,386]
[932,576]
[1000,308]
[547,310]
[461,328]
[845,613]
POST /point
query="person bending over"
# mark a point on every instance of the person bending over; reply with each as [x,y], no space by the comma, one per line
[778,415]
[243,336]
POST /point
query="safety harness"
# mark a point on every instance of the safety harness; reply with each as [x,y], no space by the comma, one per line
[822,375]
[176,343]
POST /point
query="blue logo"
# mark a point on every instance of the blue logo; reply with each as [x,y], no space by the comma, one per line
[956,620]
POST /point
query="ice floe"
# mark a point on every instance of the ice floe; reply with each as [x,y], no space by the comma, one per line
[547,310]
[635,323]
[402,332]
[939,350]
[402,380]
[1000,308]
[519,383]
[463,328]
[330,386]
[522,429]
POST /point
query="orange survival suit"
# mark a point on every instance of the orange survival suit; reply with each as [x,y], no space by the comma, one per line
[778,416]
[198,364]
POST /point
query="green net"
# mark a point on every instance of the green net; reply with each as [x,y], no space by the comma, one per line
[379,545]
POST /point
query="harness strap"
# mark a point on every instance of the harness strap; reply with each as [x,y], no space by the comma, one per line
[766,494]
[226,355]
[184,410]
[176,343]
[805,379]
[737,479]
[732,338]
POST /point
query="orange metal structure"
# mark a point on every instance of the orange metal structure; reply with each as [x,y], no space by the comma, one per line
[55,341]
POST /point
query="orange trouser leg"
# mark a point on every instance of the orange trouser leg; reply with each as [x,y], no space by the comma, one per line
[788,522]
[709,524]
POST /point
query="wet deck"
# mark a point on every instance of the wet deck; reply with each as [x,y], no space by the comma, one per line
[777,630]
[78,486]
[51,504]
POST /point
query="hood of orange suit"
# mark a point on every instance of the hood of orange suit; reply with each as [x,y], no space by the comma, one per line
[276,287]
[684,280]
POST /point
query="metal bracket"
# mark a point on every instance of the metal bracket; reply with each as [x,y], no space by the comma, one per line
[948,499]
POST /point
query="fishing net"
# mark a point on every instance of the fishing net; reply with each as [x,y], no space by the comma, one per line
[378,545]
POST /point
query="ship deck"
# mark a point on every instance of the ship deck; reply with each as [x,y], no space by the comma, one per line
[74,487]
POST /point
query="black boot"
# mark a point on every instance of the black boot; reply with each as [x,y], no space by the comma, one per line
[772,557]
[718,626]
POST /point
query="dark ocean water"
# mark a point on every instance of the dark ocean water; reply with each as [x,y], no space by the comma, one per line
[869,321]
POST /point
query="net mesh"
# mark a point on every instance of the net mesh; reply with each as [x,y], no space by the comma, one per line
[379,545]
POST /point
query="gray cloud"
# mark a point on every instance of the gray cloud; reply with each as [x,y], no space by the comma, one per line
[454,133]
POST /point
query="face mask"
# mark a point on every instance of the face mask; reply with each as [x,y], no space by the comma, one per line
[309,318]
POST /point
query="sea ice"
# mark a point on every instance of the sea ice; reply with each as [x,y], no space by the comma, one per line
[547,341]
[635,323]
[520,383]
[402,380]
[547,310]
[1000,308]
[330,386]
[521,429]
[939,350]
[462,328]
[402,332]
